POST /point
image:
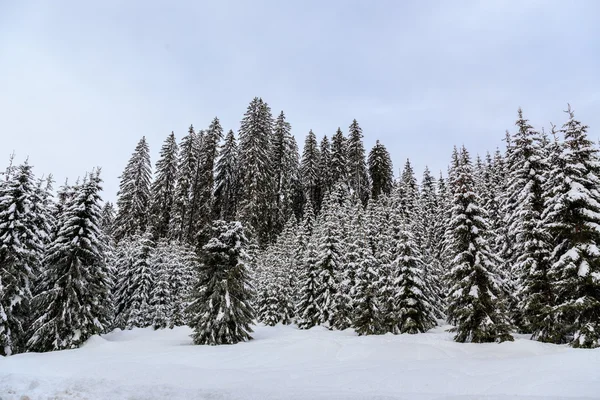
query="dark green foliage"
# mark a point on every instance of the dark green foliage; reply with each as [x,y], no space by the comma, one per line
[475,300]
[163,188]
[73,302]
[134,194]
[380,170]
[21,249]
[220,310]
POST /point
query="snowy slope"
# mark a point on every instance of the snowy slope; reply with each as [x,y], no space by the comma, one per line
[286,363]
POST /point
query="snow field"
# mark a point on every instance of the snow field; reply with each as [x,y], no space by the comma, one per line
[286,363]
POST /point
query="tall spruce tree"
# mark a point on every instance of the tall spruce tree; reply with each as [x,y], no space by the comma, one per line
[476,298]
[367,313]
[227,185]
[286,169]
[134,193]
[255,166]
[220,311]
[329,254]
[380,170]
[357,167]
[21,250]
[573,217]
[163,188]
[162,262]
[339,158]
[309,169]
[208,155]
[526,228]
[414,295]
[136,280]
[187,165]
[408,192]
[107,219]
[325,176]
[307,308]
[74,301]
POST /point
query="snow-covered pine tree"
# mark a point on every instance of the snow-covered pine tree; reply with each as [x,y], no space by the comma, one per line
[255,166]
[220,311]
[414,296]
[136,282]
[187,167]
[367,313]
[208,155]
[286,167]
[325,177]
[184,263]
[267,302]
[107,219]
[163,189]
[42,209]
[531,239]
[21,247]
[408,193]
[309,170]
[339,158]
[74,301]
[357,167]
[329,254]
[134,194]
[476,297]
[428,238]
[227,185]
[349,259]
[573,216]
[162,262]
[307,308]
[380,170]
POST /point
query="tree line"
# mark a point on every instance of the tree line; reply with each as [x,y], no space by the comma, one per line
[230,230]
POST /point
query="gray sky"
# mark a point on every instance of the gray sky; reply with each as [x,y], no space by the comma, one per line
[82,81]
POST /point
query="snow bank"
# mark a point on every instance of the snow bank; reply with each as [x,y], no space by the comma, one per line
[286,363]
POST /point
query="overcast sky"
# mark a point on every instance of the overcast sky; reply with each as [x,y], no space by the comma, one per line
[82,81]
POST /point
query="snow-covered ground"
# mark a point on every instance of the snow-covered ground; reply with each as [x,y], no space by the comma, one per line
[286,363]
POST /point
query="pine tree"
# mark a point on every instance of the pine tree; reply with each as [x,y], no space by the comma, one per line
[74,302]
[309,170]
[325,177]
[307,308]
[428,237]
[573,217]
[380,170]
[208,155]
[339,158]
[220,312]
[476,294]
[21,247]
[525,226]
[255,166]
[227,185]
[357,168]
[163,188]
[136,282]
[192,224]
[286,169]
[408,192]
[134,194]
[186,175]
[328,261]
[183,265]
[162,262]
[366,318]
[107,219]
[415,302]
